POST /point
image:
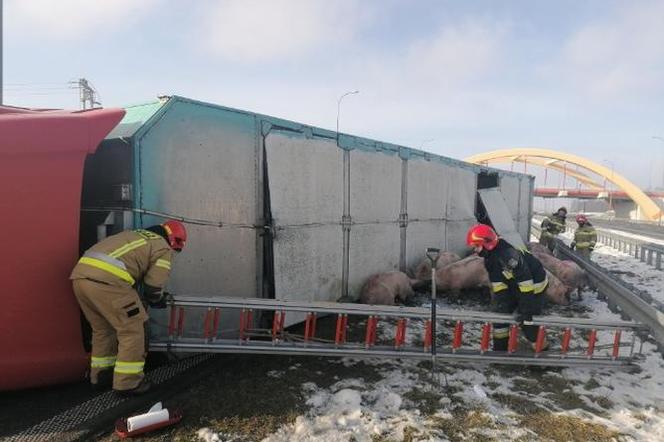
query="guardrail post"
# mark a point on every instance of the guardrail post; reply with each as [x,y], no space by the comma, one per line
[658,261]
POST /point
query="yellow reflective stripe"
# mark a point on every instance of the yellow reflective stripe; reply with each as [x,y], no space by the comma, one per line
[128,248]
[129,367]
[501,332]
[97,362]
[498,286]
[527,286]
[122,274]
[539,287]
[508,274]
[164,264]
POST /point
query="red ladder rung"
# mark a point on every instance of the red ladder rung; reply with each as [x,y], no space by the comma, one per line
[616,344]
[207,323]
[370,336]
[215,324]
[486,337]
[340,335]
[172,321]
[180,321]
[278,324]
[458,336]
[427,335]
[592,340]
[567,337]
[513,341]
[310,327]
[400,337]
[539,342]
[246,319]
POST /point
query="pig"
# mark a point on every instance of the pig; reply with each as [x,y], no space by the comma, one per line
[463,274]
[538,249]
[569,273]
[556,292]
[423,270]
[572,275]
[387,288]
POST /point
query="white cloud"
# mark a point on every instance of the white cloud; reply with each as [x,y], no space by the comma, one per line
[71,19]
[259,31]
[618,56]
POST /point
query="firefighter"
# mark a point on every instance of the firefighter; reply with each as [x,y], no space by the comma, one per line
[518,282]
[552,226]
[585,236]
[105,281]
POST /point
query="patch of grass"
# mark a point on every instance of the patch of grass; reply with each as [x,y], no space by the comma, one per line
[428,402]
[518,404]
[461,426]
[567,428]
[591,384]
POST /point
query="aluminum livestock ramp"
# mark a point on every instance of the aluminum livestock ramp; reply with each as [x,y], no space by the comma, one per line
[395,332]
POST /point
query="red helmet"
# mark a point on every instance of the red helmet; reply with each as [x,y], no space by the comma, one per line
[581,219]
[177,234]
[483,236]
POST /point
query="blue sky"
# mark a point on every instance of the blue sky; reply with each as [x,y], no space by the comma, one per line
[582,77]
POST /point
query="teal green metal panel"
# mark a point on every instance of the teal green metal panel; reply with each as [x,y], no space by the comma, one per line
[135,118]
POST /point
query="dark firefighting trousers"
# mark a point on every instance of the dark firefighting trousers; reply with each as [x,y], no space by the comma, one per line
[117,317]
[526,305]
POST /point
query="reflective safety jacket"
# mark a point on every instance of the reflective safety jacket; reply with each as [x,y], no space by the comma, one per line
[514,269]
[126,258]
[585,237]
[554,224]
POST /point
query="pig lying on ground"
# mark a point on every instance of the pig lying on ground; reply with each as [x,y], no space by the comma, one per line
[423,270]
[569,273]
[386,288]
[463,274]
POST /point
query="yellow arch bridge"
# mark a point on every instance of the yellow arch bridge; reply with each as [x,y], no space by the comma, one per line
[560,161]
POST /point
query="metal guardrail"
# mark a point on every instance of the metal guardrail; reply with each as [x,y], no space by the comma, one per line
[636,304]
[621,296]
[645,251]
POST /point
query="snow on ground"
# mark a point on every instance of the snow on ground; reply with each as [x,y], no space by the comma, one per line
[630,269]
[464,402]
[497,403]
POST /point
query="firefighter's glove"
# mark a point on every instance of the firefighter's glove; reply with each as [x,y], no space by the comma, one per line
[572,245]
[162,303]
[154,296]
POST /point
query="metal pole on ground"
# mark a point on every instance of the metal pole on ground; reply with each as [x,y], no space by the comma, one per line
[433,254]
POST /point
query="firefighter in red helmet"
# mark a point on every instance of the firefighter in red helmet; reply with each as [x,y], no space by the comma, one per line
[585,236]
[105,283]
[518,281]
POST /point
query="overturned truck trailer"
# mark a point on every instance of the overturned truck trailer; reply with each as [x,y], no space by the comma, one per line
[278,209]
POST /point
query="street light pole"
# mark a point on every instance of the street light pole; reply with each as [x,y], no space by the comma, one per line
[339,108]
[346,220]
[612,168]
